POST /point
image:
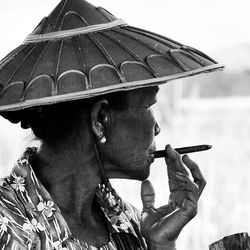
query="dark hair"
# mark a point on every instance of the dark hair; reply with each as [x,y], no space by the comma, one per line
[54,123]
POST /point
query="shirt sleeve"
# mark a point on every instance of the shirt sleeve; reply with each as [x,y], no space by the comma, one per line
[12,221]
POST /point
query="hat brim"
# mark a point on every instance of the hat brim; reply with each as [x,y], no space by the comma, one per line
[106,90]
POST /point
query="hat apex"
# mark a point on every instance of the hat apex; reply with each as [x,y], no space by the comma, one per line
[72,14]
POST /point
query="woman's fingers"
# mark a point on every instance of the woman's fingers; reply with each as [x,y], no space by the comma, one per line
[189,205]
[174,161]
[148,198]
[174,164]
[186,184]
[196,173]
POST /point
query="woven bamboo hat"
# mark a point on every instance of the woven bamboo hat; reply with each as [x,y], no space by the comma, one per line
[80,51]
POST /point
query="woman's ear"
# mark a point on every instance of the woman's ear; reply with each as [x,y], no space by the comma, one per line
[99,116]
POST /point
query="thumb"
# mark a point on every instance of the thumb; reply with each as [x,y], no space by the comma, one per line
[147,195]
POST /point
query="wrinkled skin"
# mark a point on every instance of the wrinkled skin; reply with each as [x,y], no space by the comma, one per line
[126,154]
[130,137]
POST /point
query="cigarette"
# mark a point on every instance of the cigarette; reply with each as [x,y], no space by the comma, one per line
[184,150]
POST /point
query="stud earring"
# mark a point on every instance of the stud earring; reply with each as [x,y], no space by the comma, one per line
[105,119]
[103,140]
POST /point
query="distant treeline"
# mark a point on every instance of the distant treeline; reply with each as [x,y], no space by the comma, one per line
[219,84]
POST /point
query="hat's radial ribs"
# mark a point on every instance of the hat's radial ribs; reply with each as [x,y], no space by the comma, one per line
[59,59]
[130,51]
[151,47]
[122,32]
[190,55]
[58,18]
[198,52]
[79,49]
[20,64]
[194,56]
[154,36]
[104,13]
[9,56]
[107,56]
[54,90]
[178,62]
[37,62]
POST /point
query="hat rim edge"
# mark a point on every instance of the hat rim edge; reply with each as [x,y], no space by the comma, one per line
[107,89]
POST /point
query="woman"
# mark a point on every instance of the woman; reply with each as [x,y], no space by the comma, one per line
[59,196]
[74,158]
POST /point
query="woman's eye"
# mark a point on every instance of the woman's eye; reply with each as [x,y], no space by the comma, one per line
[149,110]
[149,105]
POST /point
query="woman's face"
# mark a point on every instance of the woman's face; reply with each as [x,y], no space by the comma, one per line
[130,137]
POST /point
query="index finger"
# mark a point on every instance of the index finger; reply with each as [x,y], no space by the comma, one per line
[196,173]
[173,160]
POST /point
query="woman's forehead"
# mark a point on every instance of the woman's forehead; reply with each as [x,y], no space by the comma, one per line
[143,95]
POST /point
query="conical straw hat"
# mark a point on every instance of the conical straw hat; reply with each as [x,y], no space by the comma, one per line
[80,51]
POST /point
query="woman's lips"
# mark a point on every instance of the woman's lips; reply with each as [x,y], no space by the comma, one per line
[151,150]
[151,158]
[150,153]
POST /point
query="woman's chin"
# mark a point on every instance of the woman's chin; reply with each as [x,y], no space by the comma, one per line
[136,171]
[144,173]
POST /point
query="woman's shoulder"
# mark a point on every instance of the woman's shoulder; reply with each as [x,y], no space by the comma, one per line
[12,218]
[8,198]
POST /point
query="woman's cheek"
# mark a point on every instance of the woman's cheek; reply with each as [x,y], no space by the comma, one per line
[148,131]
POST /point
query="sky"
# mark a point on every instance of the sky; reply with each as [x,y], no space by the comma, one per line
[206,25]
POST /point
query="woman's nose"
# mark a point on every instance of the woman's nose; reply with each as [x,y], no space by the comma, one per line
[157,129]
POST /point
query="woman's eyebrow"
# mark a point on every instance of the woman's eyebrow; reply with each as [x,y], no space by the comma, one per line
[157,89]
[155,92]
[153,99]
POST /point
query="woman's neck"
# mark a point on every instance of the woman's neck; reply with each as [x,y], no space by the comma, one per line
[70,174]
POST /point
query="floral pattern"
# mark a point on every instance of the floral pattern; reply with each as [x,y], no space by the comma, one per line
[33,225]
[3,223]
[47,208]
[2,182]
[29,218]
[19,183]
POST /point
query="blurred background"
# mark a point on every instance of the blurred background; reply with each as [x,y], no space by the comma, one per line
[212,109]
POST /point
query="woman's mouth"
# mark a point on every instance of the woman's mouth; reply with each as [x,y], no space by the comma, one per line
[151,158]
[151,150]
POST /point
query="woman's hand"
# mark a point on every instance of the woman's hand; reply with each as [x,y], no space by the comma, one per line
[161,227]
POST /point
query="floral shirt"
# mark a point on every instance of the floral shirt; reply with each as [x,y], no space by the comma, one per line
[29,218]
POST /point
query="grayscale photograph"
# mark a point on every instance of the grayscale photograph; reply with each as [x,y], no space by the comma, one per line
[124,125]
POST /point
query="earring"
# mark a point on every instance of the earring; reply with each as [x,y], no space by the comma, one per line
[102,139]
[105,119]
